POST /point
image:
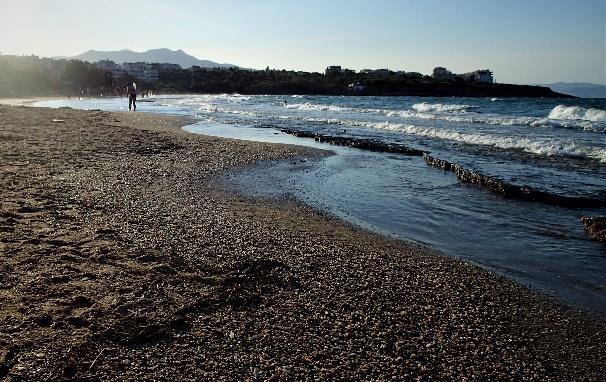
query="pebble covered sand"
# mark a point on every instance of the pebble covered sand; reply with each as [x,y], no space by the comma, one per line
[122,256]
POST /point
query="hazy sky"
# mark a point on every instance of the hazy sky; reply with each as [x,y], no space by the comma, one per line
[522,41]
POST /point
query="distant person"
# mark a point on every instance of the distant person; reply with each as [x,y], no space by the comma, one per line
[131,92]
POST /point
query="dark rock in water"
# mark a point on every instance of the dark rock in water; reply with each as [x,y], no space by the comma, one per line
[596,227]
[362,144]
[514,191]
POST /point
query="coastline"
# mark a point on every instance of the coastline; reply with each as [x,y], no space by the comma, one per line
[26,101]
[123,259]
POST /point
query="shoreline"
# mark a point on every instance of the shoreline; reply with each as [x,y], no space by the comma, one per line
[27,101]
[227,186]
[122,258]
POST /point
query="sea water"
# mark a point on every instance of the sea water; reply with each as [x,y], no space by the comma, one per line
[553,145]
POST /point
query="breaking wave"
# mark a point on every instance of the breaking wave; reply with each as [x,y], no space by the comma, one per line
[560,117]
[211,108]
[538,146]
[502,120]
[577,113]
[425,107]
[419,107]
[535,146]
[318,107]
[571,117]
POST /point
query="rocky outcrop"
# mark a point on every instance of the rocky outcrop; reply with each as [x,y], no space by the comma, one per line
[595,227]
[362,144]
[514,191]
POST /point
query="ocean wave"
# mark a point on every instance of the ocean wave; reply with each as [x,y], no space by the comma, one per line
[536,146]
[318,107]
[501,120]
[547,147]
[238,97]
[577,113]
[593,119]
[211,108]
[199,99]
[425,107]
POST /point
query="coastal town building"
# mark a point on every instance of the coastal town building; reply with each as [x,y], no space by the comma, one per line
[106,65]
[334,70]
[442,74]
[167,66]
[376,72]
[415,75]
[140,70]
[337,70]
[482,75]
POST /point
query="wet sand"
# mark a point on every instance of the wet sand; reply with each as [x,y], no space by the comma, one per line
[122,256]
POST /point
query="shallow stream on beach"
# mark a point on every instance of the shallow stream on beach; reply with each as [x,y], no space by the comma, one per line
[555,146]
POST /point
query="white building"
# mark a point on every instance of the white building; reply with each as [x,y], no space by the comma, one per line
[334,70]
[440,73]
[167,66]
[107,65]
[140,70]
[482,75]
[376,72]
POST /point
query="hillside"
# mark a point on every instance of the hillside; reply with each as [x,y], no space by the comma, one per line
[153,55]
[579,89]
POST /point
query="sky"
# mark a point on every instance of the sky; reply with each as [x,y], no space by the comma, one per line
[521,41]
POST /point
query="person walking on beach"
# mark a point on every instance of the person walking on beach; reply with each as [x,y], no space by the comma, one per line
[131,92]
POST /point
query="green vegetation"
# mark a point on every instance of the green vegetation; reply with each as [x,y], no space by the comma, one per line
[33,76]
[29,76]
[235,80]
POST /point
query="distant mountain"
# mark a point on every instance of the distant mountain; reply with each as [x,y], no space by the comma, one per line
[151,56]
[579,89]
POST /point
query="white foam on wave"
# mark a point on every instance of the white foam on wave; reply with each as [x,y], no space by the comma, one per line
[199,99]
[307,106]
[593,119]
[213,103]
[501,120]
[545,147]
[577,113]
[425,107]
[536,146]
[210,108]
[239,98]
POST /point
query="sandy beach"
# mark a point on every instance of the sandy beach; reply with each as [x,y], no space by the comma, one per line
[123,256]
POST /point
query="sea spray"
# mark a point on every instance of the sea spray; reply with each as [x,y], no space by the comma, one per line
[438,107]
[578,113]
